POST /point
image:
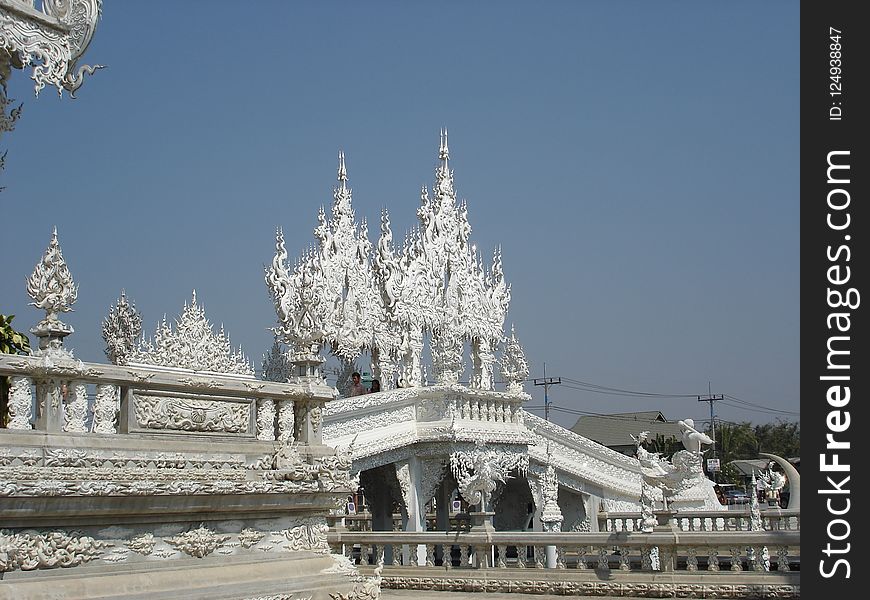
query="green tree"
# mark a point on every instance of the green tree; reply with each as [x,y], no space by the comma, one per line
[738,441]
[11,342]
[782,438]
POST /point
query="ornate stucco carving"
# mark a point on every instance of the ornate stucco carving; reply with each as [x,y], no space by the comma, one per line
[479,471]
[403,475]
[198,542]
[547,584]
[368,422]
[31,550]
[159,412]
[432,472]
[121,330]
[514,367]
[286,420]
[52,42]
[105,409]
[76,409]
[551,514]
[309,535]
[20,403]
[191,344]
[266,415]
[142,544]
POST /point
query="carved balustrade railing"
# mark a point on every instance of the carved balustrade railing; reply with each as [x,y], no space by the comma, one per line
[77,397]
[726,520]
[692,551]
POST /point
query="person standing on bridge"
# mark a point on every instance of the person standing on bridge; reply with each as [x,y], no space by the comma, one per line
[356,387]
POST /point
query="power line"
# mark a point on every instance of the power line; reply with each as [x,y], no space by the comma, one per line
[547,382]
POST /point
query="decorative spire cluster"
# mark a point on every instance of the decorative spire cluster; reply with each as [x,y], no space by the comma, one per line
[353,296]
[121,329]
[192,344]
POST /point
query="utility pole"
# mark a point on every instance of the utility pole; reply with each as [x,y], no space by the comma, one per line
[711,399]
[547,382]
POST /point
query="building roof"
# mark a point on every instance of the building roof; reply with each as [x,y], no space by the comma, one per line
[617,429]
[746,466]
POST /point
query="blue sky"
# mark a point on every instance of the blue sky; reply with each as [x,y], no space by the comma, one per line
[637,162]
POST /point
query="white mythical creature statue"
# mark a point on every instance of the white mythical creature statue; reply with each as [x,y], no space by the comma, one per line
[669,477]
[772,482]
[479,472]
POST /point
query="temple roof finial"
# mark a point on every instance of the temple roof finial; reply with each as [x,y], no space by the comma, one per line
[444,151]
[342,170]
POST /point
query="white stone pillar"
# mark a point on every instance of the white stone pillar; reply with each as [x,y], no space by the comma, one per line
[415,505]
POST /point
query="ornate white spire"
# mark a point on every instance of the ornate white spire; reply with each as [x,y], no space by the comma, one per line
[551,514]
[192,344]
[121,329]
[51,285]
[342,170]
[514,367]
[52,289]
[388,300]
[443,150]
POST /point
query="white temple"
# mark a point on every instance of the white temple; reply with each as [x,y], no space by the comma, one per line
[173,472]
[350,296]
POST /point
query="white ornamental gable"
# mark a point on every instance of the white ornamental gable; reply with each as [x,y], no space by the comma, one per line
[192,344]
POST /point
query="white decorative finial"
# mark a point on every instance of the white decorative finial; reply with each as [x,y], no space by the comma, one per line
[52,289]
[342,170]
[443,150]
[51,285]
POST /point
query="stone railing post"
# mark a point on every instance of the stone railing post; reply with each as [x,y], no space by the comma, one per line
[49,405]
[309,421]
[105,410]
[266,419]
[76,407]
[20,403]
[287,420]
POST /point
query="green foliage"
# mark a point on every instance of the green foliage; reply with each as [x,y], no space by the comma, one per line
[666,446]
[11,341]
[739,441]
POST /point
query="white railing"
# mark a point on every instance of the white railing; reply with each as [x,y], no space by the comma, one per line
[76,397]
[772,519]
[731,552]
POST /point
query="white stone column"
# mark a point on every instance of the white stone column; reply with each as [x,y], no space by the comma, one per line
[415,505]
